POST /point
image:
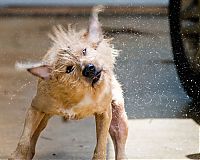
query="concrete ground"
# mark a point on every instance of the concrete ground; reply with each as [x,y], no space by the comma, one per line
[162,124]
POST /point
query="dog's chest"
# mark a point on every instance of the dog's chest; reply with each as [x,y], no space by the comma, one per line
[88,105]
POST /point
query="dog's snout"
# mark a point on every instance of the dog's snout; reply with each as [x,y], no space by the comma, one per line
[92,73]
[89,71]
[91,67]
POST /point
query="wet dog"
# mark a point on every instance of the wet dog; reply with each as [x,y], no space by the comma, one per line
[76,80]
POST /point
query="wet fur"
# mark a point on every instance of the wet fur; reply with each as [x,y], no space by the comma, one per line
[71,94]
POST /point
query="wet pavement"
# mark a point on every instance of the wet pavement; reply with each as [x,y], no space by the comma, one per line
[156,104]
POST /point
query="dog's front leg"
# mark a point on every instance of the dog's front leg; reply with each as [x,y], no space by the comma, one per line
[36,134]
[32,122]
[102,130]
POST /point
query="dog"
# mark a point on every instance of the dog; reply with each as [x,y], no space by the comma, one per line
[76,80]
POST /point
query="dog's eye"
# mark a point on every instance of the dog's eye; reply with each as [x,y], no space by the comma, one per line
[84,51]
[69,69]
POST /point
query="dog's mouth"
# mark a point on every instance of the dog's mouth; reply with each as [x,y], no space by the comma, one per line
[96,77]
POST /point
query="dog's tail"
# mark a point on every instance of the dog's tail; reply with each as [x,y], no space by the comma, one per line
[96,10]
[95,31]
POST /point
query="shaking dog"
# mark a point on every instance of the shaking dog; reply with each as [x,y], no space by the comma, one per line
[76,80]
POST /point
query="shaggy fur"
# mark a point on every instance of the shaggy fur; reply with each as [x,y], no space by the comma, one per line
[64,90]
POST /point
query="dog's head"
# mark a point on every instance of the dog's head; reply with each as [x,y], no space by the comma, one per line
[83,58]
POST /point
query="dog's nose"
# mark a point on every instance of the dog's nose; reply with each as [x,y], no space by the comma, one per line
[89,71]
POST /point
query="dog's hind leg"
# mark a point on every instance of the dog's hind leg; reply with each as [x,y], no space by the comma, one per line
[119,129]
[32,122]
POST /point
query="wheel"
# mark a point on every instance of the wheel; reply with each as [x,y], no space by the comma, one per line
[184,32]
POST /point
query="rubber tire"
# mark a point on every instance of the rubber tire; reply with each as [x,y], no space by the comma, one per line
[189,78]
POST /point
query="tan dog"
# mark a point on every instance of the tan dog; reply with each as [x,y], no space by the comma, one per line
[77,81]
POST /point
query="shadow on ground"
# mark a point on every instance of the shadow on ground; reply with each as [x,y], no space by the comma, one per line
[194,156]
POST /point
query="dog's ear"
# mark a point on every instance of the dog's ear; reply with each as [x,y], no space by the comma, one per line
[42,71]
[37,69]
[95,32]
